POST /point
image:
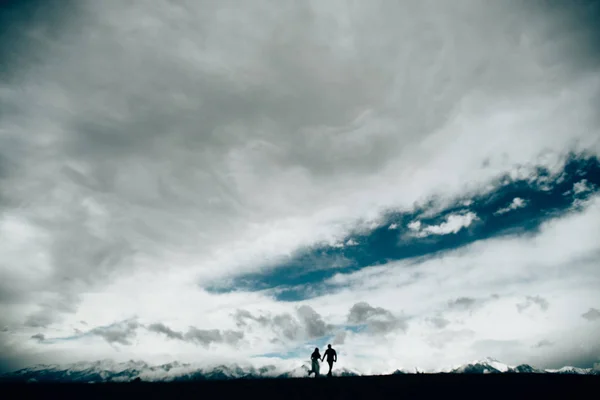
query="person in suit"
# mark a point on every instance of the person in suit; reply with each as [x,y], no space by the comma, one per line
[331,357]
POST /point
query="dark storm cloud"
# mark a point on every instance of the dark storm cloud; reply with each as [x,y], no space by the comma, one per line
[543,343]
[51,311]
[232,337]
[17,18]
[578,348]
[592,314]
[313,322]
[307,323]
[10,294]
[161,328]
[120,333]
[39,320]
[533,300]
[133,130]
[439,322]
[362,312]
[340,338]
[241,316]
[12,358]
[287,326]
[378,319]
[205,337]
[166,100]
[463,303]
[39,337]
[124,332]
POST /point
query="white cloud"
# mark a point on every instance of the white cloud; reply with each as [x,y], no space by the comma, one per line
[513,268]
[537,282]
[516,203]
[582,187]
[453,224]
[393,226]
[168,152]
[414,226]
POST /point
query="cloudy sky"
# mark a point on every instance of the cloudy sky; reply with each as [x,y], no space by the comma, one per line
[415,182]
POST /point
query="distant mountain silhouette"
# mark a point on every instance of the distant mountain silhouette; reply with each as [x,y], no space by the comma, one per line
[108,371]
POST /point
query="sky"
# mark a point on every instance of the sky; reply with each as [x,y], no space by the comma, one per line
[414,182]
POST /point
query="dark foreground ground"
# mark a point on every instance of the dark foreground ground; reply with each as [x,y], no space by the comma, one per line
[518,386]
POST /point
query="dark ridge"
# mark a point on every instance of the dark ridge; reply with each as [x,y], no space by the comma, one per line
[402,386]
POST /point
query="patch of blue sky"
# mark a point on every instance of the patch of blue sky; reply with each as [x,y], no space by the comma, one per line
[303,350]
[356,328]
[302,275]
[287,355]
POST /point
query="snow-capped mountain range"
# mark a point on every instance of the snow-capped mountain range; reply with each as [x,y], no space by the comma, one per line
[109,371]
[493,366]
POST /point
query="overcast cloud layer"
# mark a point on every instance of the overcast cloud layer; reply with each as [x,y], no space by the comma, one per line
[151,151]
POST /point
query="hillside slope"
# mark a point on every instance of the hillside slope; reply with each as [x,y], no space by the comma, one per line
[404,386]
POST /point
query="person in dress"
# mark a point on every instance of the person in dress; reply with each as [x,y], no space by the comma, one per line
[315,358]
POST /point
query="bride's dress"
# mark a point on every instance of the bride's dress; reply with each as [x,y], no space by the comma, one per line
[316,366]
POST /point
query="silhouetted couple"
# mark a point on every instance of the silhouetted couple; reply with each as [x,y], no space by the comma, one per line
[316,357]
